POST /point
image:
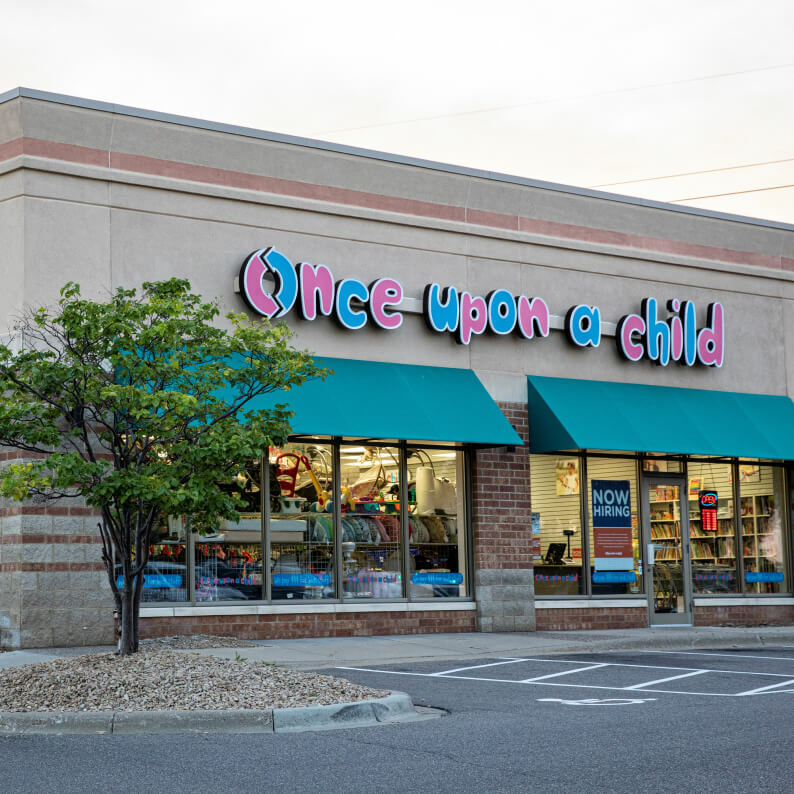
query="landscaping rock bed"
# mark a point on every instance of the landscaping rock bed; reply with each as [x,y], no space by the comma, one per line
[164,680]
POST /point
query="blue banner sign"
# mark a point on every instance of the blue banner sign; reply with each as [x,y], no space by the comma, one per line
[613,549]
[614,577]
[159,580]
[301,579]
[763,576]
[611,504]
[430,577]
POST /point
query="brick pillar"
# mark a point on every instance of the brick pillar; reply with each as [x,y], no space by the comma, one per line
[53,586]
[503,576]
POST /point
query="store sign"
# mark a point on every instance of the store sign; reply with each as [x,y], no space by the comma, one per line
[272,286]
[613,550]
[708,510]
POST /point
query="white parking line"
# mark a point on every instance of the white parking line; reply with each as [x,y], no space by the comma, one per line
[476,666]
[724,655]
[564,672]
[688,672]
[765,688]
[536,683]
[671,678]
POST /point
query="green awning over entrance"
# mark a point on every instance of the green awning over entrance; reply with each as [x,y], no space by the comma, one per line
[569,414]
[375,399]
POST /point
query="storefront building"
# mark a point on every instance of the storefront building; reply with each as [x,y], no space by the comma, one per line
[549,407]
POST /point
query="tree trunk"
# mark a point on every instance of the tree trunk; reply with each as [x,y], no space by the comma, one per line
[128,642]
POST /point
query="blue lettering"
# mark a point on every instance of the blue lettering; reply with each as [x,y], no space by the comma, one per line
[583,326]
[501,312]
[441,308]
[346,290]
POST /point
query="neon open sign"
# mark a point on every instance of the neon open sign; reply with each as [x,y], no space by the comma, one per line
[272,286]
[708,510]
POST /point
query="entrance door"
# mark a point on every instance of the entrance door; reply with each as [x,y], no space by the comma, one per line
[666,522]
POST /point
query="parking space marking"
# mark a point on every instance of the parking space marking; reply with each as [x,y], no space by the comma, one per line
[477,666]
[664,680]
[765,688]
[724,655]
[564,672]
[686,672]
[535,683]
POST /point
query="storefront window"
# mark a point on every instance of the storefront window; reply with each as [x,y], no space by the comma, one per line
[436,523]
[657,464]
[761,506]
[232,563]
[624,575]
[555,483]
[712,529]
[229,564]
[165,578]
[228,571]
[372,564]
[301,522]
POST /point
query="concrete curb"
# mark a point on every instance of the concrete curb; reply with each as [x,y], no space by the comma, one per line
[395,707]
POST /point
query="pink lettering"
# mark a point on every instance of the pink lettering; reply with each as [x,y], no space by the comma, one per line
[532,314]
[383,293]
[258,298]
[473,317]
[315,282]
[628,326]
[711,340]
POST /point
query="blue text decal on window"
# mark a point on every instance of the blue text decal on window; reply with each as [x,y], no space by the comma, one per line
[301,579]
[428,577]
[763,576]
[613,577]
[163,580]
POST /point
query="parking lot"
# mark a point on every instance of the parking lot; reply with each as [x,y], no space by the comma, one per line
[622,676]
[624,722]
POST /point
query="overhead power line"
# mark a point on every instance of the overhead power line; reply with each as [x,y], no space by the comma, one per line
[733,193]
[551,100]
[695,173]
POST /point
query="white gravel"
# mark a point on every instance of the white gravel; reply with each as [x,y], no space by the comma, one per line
[195,642]
[160,679]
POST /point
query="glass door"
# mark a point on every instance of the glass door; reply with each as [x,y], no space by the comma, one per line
[666,521]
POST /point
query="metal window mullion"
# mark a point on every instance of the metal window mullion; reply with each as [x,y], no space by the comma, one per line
[336,502]
[190,561]
[686,547]
[585,525]
[468,519]
[404,539]
[738,527]
[264,490]
[786,529]
[640,542]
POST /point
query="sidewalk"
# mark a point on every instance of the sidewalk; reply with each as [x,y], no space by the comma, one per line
[325,652]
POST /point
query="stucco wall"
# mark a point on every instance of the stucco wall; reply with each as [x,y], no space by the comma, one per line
[192,203]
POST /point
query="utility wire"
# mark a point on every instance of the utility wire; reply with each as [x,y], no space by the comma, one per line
[559,99]
[695,173]
[734,193]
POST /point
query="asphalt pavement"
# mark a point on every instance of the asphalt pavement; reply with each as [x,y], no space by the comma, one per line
[700,717]
[702,720]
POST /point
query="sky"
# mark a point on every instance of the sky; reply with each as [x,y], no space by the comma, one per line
[684,101]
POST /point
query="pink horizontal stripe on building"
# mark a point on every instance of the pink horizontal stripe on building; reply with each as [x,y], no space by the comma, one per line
[288,187]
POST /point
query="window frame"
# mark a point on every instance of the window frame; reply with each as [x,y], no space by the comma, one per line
[336,444]
[743,591]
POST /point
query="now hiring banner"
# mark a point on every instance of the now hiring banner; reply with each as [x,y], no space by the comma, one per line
[612,525]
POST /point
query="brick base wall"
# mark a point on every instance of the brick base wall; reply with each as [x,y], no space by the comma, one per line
[774,615]
[583,619]
[264,627]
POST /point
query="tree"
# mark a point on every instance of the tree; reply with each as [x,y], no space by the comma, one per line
[143,407]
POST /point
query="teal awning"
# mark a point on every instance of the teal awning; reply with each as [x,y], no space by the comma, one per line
[374,399]
[587,414]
